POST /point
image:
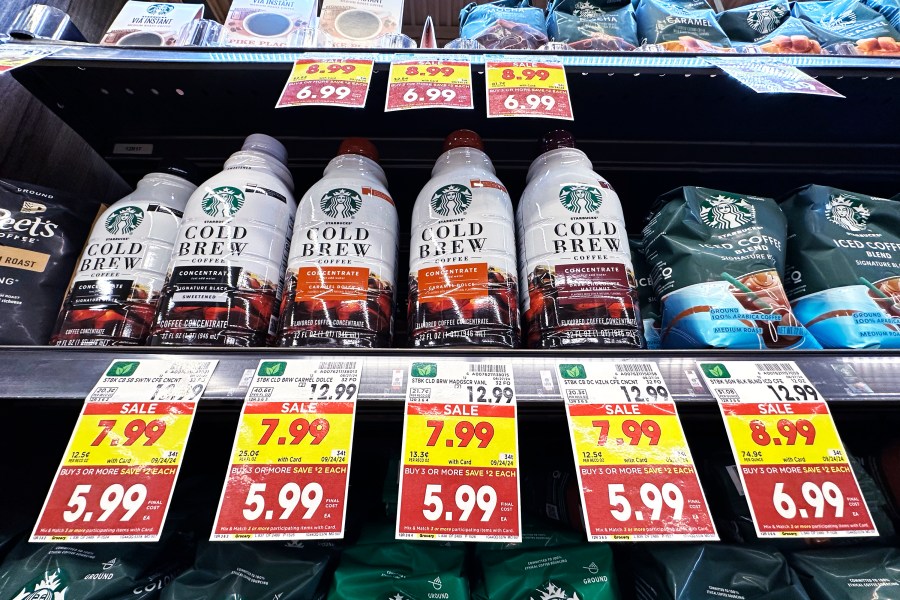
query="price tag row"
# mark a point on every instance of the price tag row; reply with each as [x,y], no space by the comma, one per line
[459,474]
[514,89]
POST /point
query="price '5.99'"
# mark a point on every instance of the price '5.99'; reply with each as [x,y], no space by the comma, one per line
[651,496]
[289,496]
[466,498]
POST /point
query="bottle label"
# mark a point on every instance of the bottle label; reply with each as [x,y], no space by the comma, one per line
[119,276]
[342,268]
[226,270]
[463,288]
[581,285]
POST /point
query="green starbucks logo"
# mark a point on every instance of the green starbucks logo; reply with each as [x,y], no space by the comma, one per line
[554,592]
[723,212]
[424,369]
[124,220]
[765,19]
[572,371]
[397,596]
[581,198]
[341,203]
[223,201]
[122,368]
[847,212]
[715,370]
[451,200]
[48,587]
[272,369]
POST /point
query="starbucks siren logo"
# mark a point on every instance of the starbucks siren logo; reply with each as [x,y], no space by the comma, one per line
[579,198]
[723,212]
[223,201]
[847,213]
[451,200]
[554,592]
[341,203]
[159,9]
[124,220]
[765,20]
[43,589]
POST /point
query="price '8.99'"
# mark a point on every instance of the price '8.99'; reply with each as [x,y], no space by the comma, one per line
[787,428]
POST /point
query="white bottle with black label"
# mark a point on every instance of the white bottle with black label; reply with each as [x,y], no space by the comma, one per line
[114,292]
[225,279]
[462,267]
[577,281]
[341,280]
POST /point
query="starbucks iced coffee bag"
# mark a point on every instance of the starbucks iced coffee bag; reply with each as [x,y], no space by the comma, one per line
[716,260]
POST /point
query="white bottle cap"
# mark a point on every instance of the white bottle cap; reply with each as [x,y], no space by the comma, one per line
[259,142]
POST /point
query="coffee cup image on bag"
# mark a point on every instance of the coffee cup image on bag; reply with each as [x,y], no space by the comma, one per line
[358,24]
[267,24]
[141,38]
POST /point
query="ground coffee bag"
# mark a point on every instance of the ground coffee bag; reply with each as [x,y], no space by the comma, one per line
[849,573]
[649,303]
[843,266]
[716,259]
[595,25]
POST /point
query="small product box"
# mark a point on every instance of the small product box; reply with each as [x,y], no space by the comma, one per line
[269,23]
[358,23]
[152,24]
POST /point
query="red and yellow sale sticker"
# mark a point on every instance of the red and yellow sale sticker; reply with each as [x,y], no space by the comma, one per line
[290,462]
[13,56]
[119,470]
[527,89]
[338,81]
[459,477]
[792,463]
[429,84]
[635,470]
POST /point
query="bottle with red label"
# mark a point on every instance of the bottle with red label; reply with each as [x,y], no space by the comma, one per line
[578,284]
[225,278]
[114,292]
[462,267]
[342,269]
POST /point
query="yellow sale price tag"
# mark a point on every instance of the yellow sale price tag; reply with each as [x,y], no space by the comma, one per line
[785,439]
[309,438]
[433,72]
[485,440]
[337,70]
[620,440]
[539,76]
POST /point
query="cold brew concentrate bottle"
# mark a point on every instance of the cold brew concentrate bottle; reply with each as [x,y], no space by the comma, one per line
[225,277]
[342,269]
[114,292]
[462,281]
[578,284]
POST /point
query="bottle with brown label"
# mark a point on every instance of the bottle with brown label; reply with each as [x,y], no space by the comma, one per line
[114,292]
[342,269]
[462,267]
[224,280]
[578,284]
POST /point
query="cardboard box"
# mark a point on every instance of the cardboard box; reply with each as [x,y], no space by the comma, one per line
[358,23]
[152,24]
[268,23]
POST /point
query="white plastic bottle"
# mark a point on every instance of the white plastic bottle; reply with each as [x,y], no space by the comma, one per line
[462,267]
[341,280]
[578,284]
[225,279]
[114,292]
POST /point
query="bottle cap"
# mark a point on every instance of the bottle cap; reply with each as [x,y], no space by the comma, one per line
[463,138]
[259,142]
[179,168]
[360,146]
[559,138]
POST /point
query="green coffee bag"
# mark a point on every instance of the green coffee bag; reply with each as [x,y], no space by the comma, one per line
[849,573]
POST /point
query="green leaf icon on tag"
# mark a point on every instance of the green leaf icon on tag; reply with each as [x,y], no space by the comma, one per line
[122,368]
[715,370]
[272,369]
[424,370]
[572,371]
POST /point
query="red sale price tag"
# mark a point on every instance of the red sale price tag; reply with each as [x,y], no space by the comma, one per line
[791,461]
[527,89]
[459,477]
[120,467]
[290,462]
[429,84]
[635,469]
[328,82]
[13,56]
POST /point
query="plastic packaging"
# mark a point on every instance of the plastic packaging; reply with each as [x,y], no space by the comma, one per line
[504,24]
[593,25]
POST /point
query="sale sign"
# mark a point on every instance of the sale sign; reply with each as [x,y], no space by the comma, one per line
[459,477]
[527,89]
[290,463]
[429,84]
[337,81]
[635,470]
[116,478]
[791,461]
[14,56]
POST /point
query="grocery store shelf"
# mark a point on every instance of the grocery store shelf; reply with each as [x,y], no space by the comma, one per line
[854,379]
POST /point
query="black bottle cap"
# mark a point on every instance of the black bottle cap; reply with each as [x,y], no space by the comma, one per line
[559,138]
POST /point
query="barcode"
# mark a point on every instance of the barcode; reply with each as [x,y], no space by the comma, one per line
[775,368]
[483,368]
[337,366]
[635,369]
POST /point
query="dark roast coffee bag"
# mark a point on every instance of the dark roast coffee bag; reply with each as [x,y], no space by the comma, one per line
[593,25]
[863,573]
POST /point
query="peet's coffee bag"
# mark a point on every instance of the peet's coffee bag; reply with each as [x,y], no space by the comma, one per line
[679,26]
[713,571]
[716,260]
[595,25]
[843,266]
[41,234]
[849,573]
[547,564]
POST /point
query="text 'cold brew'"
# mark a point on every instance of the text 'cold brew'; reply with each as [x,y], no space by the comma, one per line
[224,280]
